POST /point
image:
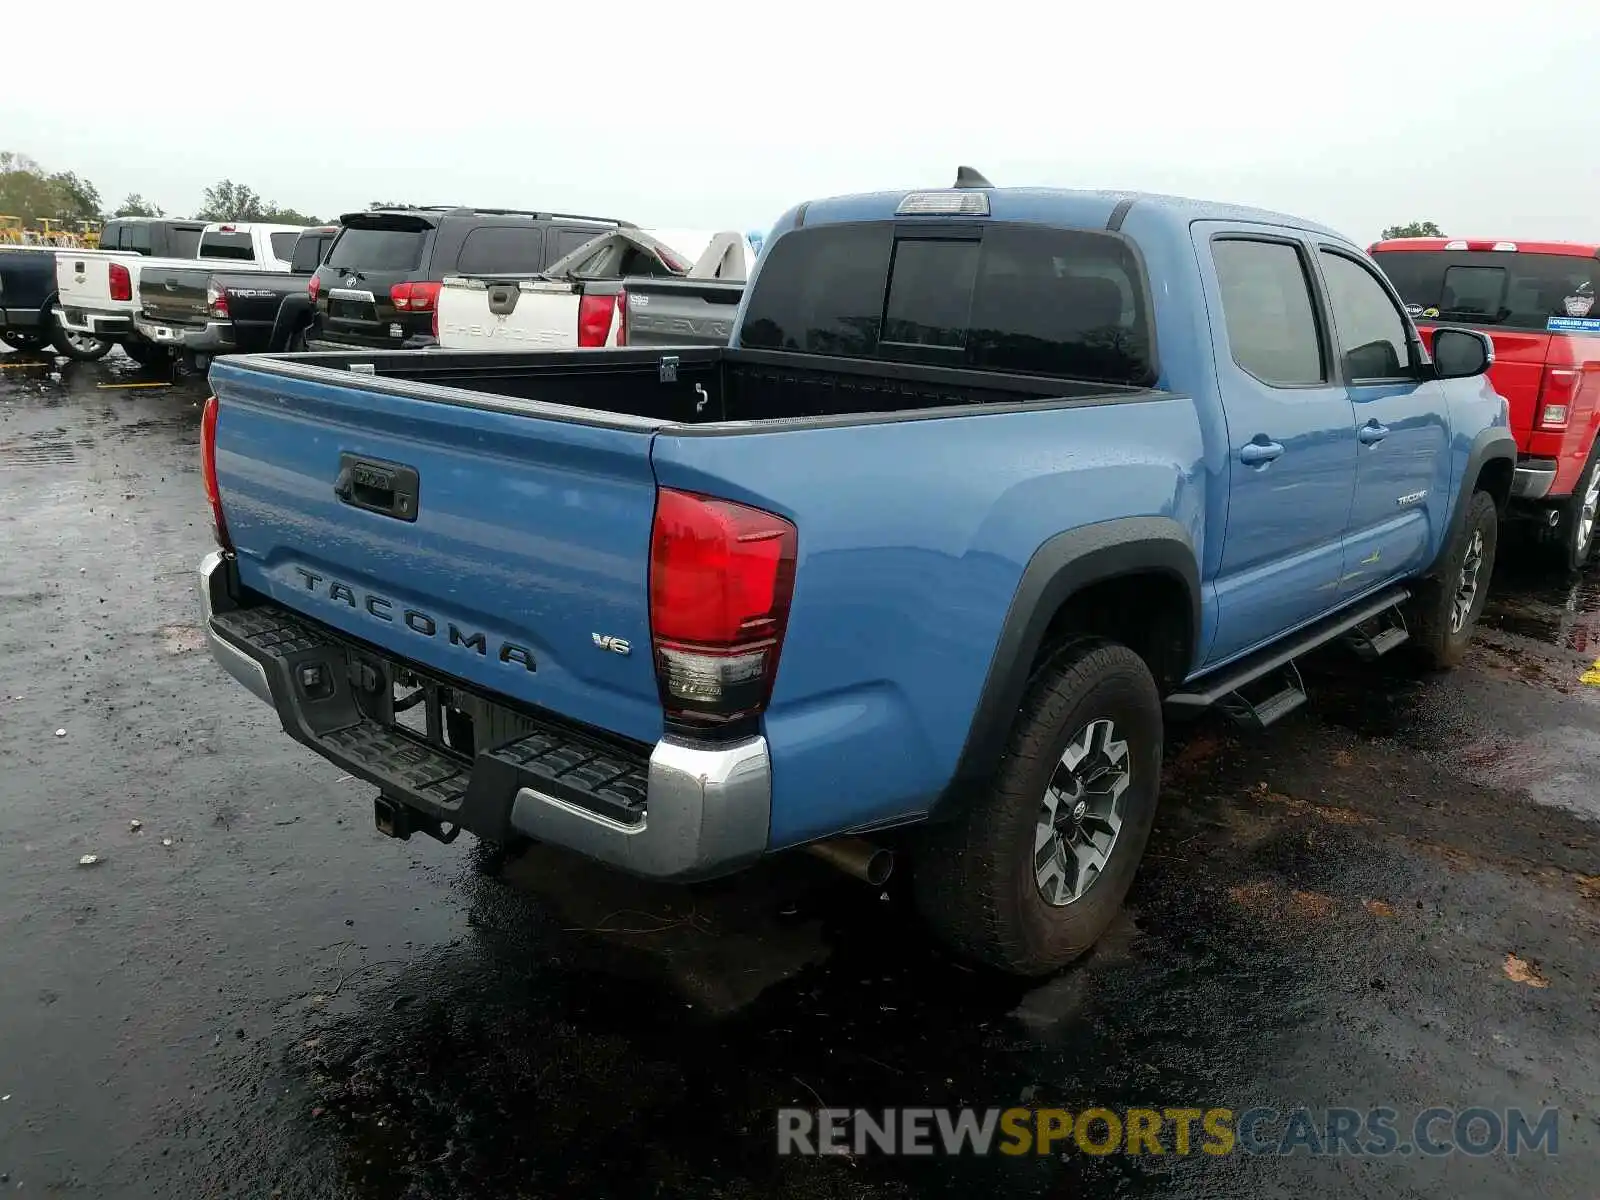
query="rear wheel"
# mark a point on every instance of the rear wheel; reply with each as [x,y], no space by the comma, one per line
[1445,612]
[80,347]
[297,340]
[1575,535]
[23,340]
[1030,876]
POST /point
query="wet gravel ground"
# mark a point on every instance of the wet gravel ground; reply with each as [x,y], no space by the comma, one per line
[255,994]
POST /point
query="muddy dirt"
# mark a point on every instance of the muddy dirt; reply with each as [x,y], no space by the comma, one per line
[1392,898]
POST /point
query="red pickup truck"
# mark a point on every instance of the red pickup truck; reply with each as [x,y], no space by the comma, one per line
[1537,301]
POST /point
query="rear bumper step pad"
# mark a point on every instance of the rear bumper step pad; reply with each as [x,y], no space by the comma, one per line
[678,811]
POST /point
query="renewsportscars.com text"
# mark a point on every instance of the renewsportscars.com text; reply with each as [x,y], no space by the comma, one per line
[1371,1132]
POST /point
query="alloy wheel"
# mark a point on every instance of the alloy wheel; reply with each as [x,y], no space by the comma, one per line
[1081,814]
[1586,510]
[1467,584]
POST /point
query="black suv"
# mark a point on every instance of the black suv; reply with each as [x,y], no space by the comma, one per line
[155,237]
[379,286]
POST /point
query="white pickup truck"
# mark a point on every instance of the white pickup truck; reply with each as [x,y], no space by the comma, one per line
[589,297]
[98,290]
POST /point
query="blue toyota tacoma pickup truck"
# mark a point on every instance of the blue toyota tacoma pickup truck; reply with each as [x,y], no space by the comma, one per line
[988,484]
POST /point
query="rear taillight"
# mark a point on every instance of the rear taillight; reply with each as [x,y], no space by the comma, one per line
[415,297]
[721,579]
[121,282]
[594,319]
[313,287]
[208,471]
[1557,390]
[217,301]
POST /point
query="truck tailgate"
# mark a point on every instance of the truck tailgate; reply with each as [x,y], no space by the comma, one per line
[168,293]
[83,279]
[516,559]
[681,312]
[487,313]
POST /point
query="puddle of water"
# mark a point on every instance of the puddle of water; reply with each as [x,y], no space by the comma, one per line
[1546,606]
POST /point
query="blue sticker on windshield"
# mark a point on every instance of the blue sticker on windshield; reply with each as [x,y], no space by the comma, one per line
[1572,325]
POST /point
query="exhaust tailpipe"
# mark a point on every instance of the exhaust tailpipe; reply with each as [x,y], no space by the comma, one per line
[855,857]
[1552,517]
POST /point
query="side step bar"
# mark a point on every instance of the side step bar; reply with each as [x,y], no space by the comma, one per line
[1263,701]
[1374,627]
[1374,638]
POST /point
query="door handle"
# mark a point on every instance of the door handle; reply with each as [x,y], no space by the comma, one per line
[1259,454]
[1372,433]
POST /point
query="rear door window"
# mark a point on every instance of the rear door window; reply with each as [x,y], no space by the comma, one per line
[502,250]
[136,237]
[235,247]
[1267,310]
[379,249]
[1011,298]
[1510,288]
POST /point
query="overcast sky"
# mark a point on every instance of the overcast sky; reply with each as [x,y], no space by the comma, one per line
[715,115]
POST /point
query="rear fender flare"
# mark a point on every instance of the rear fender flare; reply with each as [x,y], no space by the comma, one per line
[296,312]
[1493,444]
[1063,566]
[46,310]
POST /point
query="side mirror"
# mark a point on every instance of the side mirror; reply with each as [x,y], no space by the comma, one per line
[1461,353]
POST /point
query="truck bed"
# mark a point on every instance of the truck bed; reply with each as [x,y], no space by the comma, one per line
[486,520]
[636,387]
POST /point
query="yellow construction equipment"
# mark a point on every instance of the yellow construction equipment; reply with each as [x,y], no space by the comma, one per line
[49,233]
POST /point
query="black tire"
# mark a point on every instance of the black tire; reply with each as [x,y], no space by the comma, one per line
[977,878]
[1572,544]
[1440,640]
[146,354]
[24,341]
[297,340]
[80,347]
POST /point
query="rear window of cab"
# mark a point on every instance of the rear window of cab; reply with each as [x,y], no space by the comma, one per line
[378,249]
[1021,299]
[1511,289]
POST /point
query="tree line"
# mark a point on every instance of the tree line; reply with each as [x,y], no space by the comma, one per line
[28,191]
[1414,229]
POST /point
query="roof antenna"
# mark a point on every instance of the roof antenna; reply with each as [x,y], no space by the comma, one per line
[968,177]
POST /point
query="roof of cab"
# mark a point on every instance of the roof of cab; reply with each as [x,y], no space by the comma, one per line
[1059,206]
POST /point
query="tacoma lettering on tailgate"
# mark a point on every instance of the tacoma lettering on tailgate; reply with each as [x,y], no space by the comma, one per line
[383,609]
